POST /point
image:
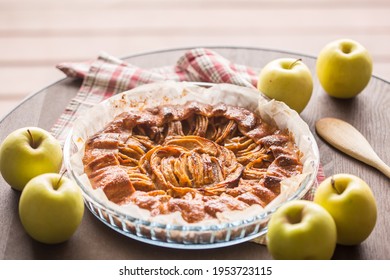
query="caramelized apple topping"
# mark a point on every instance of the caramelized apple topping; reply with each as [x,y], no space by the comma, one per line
[194,158]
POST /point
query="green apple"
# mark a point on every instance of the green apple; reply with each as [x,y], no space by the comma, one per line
[352,205]
[26,153]
[301,229]
[288,80]
[51,208]
[344,68]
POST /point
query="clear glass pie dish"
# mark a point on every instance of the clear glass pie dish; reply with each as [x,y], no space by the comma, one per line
[240,226]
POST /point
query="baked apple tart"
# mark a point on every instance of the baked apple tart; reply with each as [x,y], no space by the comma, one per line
[194,158]
[176,162]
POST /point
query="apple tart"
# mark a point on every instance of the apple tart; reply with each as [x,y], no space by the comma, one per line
[177,164]
[193,158]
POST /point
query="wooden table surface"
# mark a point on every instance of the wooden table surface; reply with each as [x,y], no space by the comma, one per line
[37,35]
[93,240]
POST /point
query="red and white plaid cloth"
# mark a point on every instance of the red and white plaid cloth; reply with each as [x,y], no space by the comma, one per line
[109,75]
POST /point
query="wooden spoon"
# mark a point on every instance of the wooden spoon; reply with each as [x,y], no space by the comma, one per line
[349,140]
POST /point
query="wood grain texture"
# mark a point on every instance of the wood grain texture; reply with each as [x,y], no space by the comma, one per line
[368,112]
[36,35]
[350,141]
[369,115]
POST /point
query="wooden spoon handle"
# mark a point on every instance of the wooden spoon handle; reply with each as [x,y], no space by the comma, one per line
[382,167]
[349,140]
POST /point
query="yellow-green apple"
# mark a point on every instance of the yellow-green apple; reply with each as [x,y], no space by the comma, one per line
[288,80]
[51,208]
[301,229]
[26,153]
[344,68]
[352,205]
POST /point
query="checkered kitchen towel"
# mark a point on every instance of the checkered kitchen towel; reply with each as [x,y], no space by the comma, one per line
[108,75]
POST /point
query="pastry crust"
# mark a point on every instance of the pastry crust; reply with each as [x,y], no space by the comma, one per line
[175,153]
[195,158]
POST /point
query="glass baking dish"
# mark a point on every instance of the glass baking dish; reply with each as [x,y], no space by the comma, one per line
[183,236]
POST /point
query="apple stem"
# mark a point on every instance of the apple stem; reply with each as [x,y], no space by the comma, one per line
[292,64]
[59,180]
[32,138]
[333,183]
